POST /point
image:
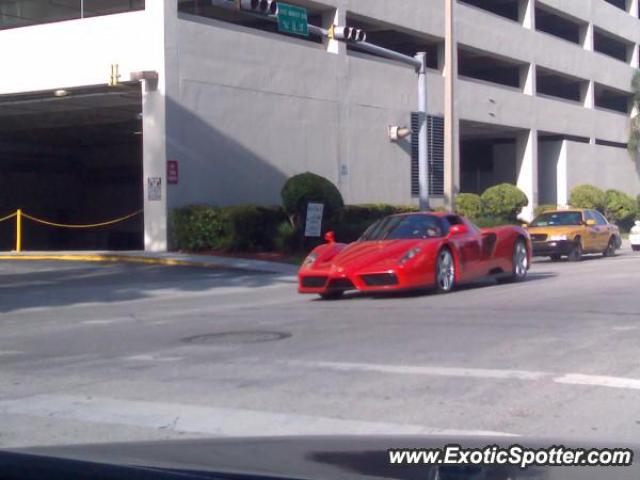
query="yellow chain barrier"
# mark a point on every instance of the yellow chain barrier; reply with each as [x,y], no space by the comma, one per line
[19,215]
[91,225]
[8,217]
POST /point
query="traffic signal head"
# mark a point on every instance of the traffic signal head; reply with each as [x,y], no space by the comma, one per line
[349,34]
[263,7]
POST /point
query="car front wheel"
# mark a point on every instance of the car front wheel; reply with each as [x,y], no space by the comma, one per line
[610,251]
[575,255]
[445,272]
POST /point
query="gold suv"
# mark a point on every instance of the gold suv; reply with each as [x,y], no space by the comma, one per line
[572,233]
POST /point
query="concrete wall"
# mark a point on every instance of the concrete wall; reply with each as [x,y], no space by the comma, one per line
[604,167]
[248,109]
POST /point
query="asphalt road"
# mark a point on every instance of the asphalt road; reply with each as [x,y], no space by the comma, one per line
[98,353]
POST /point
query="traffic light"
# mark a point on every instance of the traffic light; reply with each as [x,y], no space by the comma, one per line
[349,34]
[262,7]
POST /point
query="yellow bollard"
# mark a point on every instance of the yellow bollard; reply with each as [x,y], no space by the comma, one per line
[19,231]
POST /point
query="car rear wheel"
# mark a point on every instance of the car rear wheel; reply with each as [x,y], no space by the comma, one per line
[445,272]
[575,255]
[519,262]
[334,295]
[556,258]
[610,251]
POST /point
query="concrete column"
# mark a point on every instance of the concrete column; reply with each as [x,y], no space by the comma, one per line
[562,177]
[635,56]
[154,157]
[527,170]
[451,121]
[528,14]
[587,41]
[528,79]
[588,94]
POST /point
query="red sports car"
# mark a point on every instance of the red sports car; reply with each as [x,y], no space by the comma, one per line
[416,251]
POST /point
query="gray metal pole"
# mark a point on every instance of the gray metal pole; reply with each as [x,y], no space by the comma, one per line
[423,147]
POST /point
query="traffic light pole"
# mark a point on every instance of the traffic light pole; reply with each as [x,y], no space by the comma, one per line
[423,138]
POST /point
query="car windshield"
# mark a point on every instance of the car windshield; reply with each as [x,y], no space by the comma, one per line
[404,227]
[557,219]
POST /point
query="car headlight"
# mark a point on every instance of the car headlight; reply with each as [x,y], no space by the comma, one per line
[558,238]
[409,255]
[310,260]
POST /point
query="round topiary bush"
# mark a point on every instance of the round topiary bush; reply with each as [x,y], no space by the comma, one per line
[469,205]
[308,187]
[620,208]
[504,201]
[588,196]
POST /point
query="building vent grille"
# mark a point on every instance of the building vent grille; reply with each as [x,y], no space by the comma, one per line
[436,154]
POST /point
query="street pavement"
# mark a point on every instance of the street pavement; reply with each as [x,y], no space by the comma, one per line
[120,352]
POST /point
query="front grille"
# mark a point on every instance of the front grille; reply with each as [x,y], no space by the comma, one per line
[538,237]
[380,279]
[341,284]
[314,282]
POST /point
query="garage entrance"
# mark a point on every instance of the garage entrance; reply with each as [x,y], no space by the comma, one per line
[73,157]
[488,156]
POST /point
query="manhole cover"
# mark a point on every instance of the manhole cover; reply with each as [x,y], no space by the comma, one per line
[235,338]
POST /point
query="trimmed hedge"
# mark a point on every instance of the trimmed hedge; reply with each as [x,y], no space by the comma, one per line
[588,196]
[469,205]
[251,228]
[504,201]
[196,228]
[243,227]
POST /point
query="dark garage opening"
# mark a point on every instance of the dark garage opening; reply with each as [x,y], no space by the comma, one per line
[72,157]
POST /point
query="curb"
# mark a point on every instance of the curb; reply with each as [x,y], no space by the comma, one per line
[117,258]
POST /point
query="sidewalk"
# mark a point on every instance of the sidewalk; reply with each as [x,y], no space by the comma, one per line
[166,258]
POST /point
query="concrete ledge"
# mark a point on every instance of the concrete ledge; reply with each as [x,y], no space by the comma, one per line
[167,259]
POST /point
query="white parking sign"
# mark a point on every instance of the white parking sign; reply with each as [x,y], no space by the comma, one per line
[314,220]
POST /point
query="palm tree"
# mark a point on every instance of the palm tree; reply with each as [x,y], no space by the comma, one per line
[634,137]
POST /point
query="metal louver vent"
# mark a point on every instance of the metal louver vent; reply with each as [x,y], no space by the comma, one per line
[436,154]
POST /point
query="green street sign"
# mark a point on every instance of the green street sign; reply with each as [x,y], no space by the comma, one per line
[293,20]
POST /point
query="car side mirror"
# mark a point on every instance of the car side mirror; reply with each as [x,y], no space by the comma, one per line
[330,237]
[456,230]
[590,223]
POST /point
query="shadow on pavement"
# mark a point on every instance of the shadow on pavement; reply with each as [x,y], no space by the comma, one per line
[50,284]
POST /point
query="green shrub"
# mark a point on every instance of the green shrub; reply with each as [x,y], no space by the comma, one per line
[504,201]
[469,205]
[286,240]
[588,196]
[620,208]
[540,209]
[302,189]
[250,227]
[196,228]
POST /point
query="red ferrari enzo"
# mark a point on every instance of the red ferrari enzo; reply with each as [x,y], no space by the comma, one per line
[416,251]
